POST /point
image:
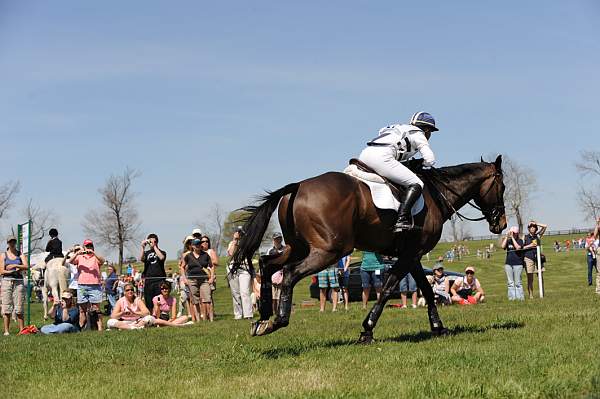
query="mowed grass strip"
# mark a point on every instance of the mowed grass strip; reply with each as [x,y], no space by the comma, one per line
[536,349]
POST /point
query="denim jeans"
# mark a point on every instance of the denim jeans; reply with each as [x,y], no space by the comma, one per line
[58,328]
[591,262]
[513,277]
[112,301]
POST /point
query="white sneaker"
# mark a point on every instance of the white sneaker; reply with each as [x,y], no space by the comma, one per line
[6,334]
[414,306]
[188,323]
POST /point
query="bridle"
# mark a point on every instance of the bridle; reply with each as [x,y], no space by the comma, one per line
[492,215]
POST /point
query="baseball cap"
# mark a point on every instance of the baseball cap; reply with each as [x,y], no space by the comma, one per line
[196,231]
[87,241]
[66,295]
[514,229]
[469,269]
[277,235]
[188,238]
[438,266]
[11,238]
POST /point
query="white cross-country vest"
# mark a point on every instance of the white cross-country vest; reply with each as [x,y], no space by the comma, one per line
[406,141]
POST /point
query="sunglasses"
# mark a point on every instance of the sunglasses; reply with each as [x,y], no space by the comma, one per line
[470,272]
[128,289]
[204,242]
[164,289]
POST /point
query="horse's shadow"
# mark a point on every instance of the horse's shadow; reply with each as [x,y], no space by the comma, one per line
[276,353]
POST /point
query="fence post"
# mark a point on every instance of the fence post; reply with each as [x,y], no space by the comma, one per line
[539,265]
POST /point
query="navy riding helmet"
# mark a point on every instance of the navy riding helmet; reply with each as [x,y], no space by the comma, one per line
[423,119]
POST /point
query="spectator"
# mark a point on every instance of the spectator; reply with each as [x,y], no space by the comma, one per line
[54,246]
[214,258]
[165,309]
[513,266]
[556,246]
[154,267]
[277,277]
[408,285]
[467,290]
[441,285]
[197,233]
[255,296]
[591,249]
[12,263]
[199,275]
[130,312]
[121,286]
[89,291]
[110,287]
[531,241]
[328,280]
[344,274]
[184,291]
[65,314]
[240,281]
[371,270]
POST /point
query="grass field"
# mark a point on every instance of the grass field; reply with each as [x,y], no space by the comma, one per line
[534,349]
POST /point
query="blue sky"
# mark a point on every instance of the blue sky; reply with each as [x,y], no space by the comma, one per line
[215,102]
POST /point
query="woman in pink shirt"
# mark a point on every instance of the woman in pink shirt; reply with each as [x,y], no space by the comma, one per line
[89,290]
[165,308]
[130,312]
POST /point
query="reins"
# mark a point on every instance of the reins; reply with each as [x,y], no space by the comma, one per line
[436,179]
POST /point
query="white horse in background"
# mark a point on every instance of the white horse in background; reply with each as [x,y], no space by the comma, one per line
[55,278]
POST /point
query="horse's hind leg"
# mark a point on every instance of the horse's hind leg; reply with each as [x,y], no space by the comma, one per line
[396,274]
[437,328]
[292,274]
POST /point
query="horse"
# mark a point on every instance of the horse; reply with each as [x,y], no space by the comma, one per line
[55,279]
[326,217]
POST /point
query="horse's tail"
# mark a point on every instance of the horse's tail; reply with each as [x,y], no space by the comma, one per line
[257,221]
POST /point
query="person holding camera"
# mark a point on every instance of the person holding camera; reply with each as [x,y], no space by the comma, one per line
[65,315]
[513,266]
[240,281]
[89,290]
[154,267]
[530,243]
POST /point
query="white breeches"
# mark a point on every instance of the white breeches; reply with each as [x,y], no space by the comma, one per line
[382,161]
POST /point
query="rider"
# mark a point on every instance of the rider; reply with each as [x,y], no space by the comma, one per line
[396,144]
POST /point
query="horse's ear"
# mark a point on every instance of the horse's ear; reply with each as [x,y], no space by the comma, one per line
[498,162]
[482,159]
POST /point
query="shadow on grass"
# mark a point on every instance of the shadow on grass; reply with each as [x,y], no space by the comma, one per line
[279,352]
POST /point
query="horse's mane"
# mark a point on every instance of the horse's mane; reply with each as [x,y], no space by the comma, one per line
[452,172]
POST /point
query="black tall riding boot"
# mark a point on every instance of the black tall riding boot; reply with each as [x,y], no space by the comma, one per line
[405,220]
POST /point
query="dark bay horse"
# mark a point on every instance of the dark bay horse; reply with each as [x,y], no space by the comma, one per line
[325,217]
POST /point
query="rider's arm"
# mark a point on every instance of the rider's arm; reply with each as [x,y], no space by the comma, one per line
[423,146]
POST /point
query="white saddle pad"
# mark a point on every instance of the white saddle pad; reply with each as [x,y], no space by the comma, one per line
[380,191]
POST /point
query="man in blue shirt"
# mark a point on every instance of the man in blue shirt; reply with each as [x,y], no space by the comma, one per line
[531,242]
[110,287]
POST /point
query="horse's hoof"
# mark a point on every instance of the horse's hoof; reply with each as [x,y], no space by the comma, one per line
[261,327]
[366,337]
[439,332]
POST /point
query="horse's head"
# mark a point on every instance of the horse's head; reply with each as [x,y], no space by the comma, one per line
[491,196]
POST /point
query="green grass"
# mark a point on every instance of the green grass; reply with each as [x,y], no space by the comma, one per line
[535,349]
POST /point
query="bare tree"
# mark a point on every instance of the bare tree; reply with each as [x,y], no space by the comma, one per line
[41,221]
[7,196]
[213,226]
[116,224]
[588,196]
[521,183]
[458,229]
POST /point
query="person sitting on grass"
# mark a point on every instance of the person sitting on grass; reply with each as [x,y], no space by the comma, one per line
[441,285]
[165,309]
[130,312]
[65,314]
[467,290]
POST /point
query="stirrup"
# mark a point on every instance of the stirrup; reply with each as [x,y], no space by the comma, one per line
[401,228]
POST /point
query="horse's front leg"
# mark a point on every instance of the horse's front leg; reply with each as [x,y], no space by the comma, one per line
[45,301]
[366,337]
[437,327]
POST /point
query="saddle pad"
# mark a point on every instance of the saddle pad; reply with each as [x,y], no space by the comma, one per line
[381,192]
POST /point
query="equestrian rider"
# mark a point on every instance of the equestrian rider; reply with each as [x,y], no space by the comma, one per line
[394,145]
